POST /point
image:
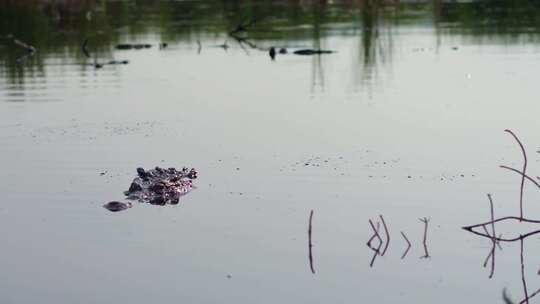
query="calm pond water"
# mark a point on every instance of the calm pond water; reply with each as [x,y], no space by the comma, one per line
[405,119]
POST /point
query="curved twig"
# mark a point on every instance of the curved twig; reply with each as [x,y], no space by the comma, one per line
[387,235]
[408,245]
[375,234]
[310,244]
[470,228]
[524,172]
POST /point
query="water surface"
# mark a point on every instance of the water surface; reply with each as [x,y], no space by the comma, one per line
[405,119]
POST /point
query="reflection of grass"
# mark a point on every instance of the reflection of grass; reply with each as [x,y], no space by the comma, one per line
[59,27]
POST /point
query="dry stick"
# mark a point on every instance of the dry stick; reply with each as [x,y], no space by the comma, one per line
[408,247]
[471,227]
[310,243]
[375,233]
[492,215]
[491,252]
[521,173]
[376,252]
[486,260]
[500,239]
[425,220]
[486,231]
[530,297]
[523,273]
[387,235]
[493,238]
[524,172]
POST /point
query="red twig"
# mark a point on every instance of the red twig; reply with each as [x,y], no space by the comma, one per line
[524,172]
[310,243]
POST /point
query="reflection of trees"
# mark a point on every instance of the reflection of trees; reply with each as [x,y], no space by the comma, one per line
[60,26]
[496,21]
[375,41]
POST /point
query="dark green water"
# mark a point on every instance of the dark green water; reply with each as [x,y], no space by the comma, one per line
[404,119]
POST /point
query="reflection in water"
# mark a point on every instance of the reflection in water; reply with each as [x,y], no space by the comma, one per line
[408,245]
[376,249]
[426,255]
[516,220]
[383,244]
[59,30]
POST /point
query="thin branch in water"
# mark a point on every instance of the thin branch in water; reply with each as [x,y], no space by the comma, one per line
[524,171]
[492,216]
[310,244]
[471,227]
[375,233]
[525,292]
[408,245]
[522,174]
[376,251]
[530,296]
[494,238]
[425,220]
[387,233]
[501,239]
